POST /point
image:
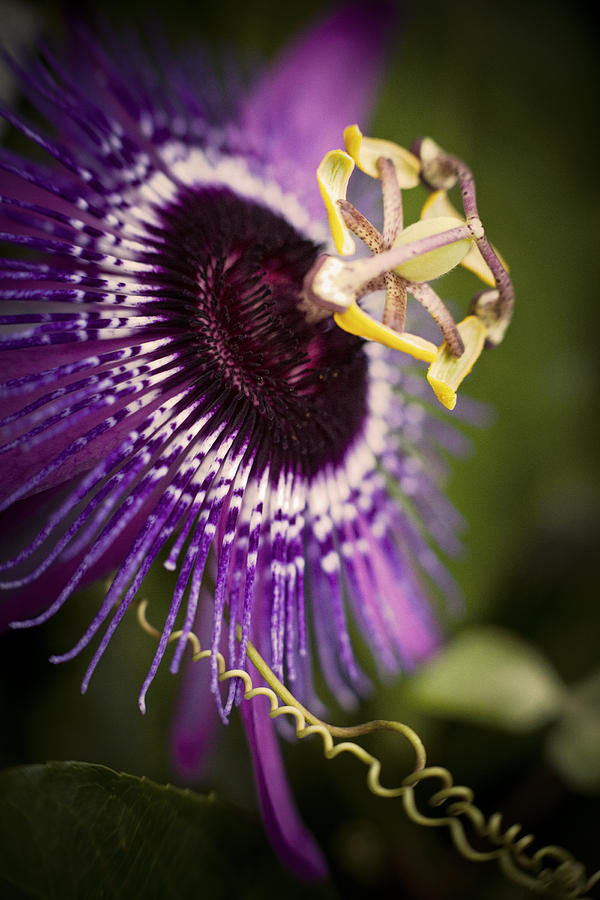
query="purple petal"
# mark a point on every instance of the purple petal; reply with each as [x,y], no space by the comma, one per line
[193,735]
[323,82]
[290,838]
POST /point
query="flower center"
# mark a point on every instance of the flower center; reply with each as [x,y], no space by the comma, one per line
[234,270]
[405,260]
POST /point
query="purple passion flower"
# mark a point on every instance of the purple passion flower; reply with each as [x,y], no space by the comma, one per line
[165,400]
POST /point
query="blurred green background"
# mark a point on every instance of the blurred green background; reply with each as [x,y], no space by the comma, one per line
[512,88]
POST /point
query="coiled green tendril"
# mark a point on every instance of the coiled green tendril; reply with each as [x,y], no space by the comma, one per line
[551,871]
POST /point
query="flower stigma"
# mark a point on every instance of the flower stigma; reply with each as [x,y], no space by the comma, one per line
[404,260]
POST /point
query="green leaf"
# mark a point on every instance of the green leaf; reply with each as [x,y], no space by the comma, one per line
[573,746]
[491,677]
[72,830]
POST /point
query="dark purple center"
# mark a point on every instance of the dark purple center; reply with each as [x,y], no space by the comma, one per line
[239,269]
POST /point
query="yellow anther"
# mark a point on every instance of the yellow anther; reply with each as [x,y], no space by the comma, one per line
[441,240]
[365,152]
[356,321]
[333,175]
[428,266]
[438,204]
[447,372]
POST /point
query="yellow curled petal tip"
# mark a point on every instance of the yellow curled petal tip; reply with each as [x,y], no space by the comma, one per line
[448,371]
[356,321]
[476,264]
[365,152]
[333,175]
[443,392]
[352,141]
[438,204]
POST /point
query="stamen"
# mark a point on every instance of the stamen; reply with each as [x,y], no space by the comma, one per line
[394,311]
[375,284]
[434,305]
[361,227]
[392,201]
[334,283]
[442,171]
[438,204]
[430,258]
[404,260]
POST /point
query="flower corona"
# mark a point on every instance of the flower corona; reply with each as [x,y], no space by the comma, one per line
[186,379]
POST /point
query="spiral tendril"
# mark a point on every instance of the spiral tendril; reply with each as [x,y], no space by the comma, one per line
[550,871]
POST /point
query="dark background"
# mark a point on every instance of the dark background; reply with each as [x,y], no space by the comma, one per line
[512,89]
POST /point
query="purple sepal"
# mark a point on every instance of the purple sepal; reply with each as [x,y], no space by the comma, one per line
[291,840]
[322,82]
